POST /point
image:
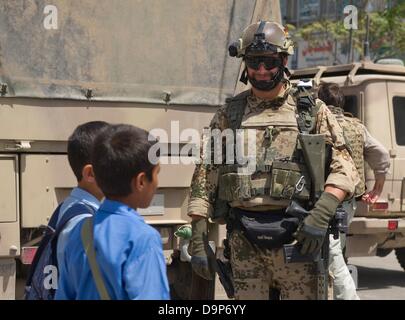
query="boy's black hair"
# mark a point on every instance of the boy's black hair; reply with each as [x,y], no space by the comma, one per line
[119,154]
[80,145]
[331,94]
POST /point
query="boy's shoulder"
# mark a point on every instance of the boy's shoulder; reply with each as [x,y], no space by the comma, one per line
[143,229]
[133,224]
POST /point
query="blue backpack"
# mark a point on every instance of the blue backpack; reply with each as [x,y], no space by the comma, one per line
[35,288]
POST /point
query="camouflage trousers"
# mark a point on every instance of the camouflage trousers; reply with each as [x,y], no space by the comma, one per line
[256,271]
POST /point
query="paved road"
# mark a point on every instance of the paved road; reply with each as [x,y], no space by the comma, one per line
[380,278]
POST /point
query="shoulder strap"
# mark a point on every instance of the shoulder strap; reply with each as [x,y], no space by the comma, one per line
[235,109]
[307,110]
[74,211]
[48,233]
[53,221]
[88,245]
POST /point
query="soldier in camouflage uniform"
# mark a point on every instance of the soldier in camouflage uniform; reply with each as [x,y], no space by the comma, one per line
[363,147]
[270,108]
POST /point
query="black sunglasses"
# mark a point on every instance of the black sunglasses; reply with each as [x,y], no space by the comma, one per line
[269,63]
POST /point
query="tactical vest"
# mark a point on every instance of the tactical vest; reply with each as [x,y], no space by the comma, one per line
[354,135]
[280,170]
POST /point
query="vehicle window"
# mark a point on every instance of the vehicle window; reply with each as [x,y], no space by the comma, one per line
[352,106]
[399,113]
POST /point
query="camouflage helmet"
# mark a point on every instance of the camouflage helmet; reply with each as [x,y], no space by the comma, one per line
[260,37]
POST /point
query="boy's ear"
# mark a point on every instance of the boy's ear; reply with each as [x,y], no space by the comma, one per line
[138,182]
[88,173]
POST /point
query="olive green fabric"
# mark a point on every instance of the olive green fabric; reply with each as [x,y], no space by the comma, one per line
[88,245]
[311,233]
[196,246]
[199,259]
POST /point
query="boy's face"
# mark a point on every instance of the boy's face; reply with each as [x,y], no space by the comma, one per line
[148,187]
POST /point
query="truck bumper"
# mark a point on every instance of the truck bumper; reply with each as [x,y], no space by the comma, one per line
[368,234]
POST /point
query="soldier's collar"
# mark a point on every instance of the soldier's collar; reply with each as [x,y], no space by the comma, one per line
[336,110]
[256,104]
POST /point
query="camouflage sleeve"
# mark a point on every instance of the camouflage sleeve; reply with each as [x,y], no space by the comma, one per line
[205,178]
[343,174]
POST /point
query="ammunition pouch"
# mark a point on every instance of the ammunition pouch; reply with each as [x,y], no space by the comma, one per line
[289,180]
[266,230]
[284,180]
[234,186]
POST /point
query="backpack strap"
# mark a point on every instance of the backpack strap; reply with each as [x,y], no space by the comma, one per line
[88,245]
[235,109]
[75,210]
[48,233]
[53,221]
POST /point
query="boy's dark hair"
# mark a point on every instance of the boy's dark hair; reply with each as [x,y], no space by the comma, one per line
[80,145]
[331,94]
[120,153]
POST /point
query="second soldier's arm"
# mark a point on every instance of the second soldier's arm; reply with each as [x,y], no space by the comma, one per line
[377,156]
[343,176]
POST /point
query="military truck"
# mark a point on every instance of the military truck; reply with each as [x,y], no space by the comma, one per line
[153,64]
[375,93]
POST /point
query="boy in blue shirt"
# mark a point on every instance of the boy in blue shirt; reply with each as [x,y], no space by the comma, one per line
[129,252]
[83,201]
[87,192]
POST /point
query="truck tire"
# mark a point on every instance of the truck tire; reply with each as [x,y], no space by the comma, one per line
[400,253]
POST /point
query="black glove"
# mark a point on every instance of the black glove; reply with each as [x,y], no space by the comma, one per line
[199,259]
[312,231]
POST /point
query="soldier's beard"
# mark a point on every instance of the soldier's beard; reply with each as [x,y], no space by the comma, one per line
[267,85]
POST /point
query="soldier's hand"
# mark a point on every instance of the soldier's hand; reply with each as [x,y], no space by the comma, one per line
[199,259]
[200,267]
[372,196]
[309,237]
[312,231]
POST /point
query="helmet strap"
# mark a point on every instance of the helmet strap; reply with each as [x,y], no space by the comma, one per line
[244,76]
[287,72]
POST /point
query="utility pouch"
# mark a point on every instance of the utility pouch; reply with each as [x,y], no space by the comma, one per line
[234,186]
[267,230]
[289,180]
